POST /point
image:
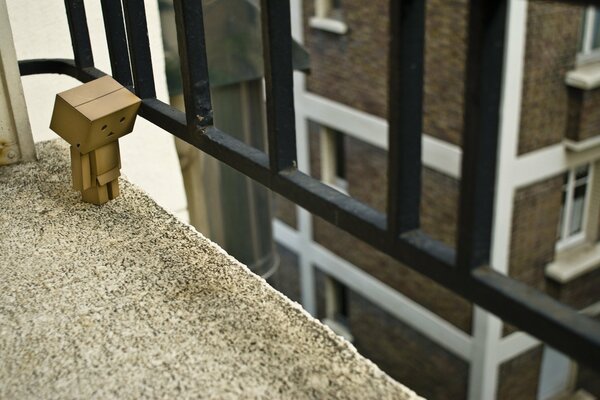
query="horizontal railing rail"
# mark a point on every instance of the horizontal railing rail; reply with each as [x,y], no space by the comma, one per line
[465,270]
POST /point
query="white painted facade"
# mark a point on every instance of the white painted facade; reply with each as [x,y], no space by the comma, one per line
[148,153]
[16,140]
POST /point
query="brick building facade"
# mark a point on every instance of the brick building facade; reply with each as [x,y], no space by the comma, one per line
[548,198]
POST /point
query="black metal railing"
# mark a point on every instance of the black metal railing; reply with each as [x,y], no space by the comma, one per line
[465,270]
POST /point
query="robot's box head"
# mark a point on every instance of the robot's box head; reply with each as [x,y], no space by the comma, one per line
[94,114]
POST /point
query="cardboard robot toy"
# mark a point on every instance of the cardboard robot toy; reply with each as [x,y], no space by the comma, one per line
[91,118]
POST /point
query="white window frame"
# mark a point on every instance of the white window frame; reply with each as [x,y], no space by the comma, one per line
[327,18]
[565,240]
[329,160]
[580,254]
[587,54]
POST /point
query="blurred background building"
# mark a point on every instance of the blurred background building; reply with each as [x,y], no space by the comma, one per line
[547,198]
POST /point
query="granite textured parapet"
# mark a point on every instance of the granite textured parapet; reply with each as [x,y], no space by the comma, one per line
[124,301]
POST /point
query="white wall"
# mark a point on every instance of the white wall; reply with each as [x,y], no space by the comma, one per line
[148,154]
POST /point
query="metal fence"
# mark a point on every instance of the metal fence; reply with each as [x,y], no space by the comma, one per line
[465,270]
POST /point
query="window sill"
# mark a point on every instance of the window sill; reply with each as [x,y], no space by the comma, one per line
[576,146]
[574,262]
[328,24]
[587,58]
[585,77]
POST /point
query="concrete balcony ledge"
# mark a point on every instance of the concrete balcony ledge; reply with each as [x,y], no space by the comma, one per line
[124,301]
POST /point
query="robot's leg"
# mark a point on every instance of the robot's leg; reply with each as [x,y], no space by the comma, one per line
[96,195]
[113,189]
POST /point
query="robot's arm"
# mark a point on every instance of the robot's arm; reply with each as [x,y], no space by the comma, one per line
[81,170]
[106,163]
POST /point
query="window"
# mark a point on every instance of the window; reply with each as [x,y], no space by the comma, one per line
[328,16]
[336,308]
[333,159]
[578,239]
[575,195]
[590,38]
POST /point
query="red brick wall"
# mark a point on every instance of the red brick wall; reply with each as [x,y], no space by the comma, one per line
[518,378]
[439,206]
[552,43]
[285,210]
[584,114]
[352,68]
[590,115]
[578,293]
[367,179]
[424,291]
[445,56]
[406,354]
[534,229]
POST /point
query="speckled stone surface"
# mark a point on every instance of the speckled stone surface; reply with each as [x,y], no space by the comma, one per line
[123,301]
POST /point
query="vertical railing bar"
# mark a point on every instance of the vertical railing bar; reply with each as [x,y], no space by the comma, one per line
[277,54]
[485,62]
[80,36]
[405,111]
[116,39]
[194,63]
[139,48]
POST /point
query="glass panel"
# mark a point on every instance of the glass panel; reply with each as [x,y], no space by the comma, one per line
[581,172]
[340,155]
[583,31]
[341,300]
[577,209]
[596,30]
[336,10]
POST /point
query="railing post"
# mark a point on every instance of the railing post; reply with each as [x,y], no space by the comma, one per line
[80,35]
[16,140]
[483,88]
[279,84]
[405,115]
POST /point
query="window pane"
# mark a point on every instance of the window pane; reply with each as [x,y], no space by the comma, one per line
[583,31]
[341,314]
[340,155]
[596,31]
[577,210]
[581,172]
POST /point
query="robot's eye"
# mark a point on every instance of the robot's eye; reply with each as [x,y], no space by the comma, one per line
[122,120]
[104,127]
[110,134]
